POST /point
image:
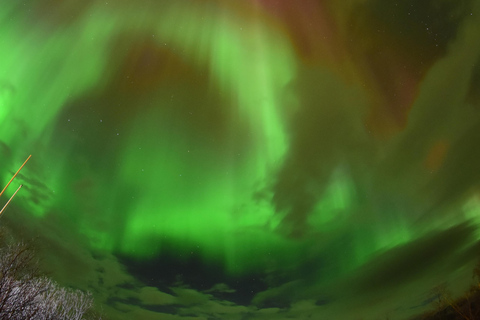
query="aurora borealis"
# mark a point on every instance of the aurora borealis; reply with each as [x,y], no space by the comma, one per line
[257,159]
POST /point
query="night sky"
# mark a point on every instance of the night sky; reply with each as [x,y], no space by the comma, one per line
[254,159]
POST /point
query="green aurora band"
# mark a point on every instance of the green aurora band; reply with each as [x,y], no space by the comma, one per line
[173,203]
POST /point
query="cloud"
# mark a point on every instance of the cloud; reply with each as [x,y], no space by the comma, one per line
[326,132]
[152,296]
[220,287]
[280,296]
[408,262]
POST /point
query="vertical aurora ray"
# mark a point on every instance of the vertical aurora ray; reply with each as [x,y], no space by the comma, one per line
[254,85]
[40,72]
[170,199]
[35,86]
[177,203]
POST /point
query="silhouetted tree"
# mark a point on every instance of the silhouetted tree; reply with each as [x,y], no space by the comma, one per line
[25,294]
[465,307]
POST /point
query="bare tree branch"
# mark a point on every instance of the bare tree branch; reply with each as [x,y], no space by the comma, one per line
[24,294]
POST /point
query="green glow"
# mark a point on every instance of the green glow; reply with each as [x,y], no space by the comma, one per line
[339,206]
[170,181]
[471,211]
[43,92]
[6,97]
[334,207]
[158,192]
[176,203]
